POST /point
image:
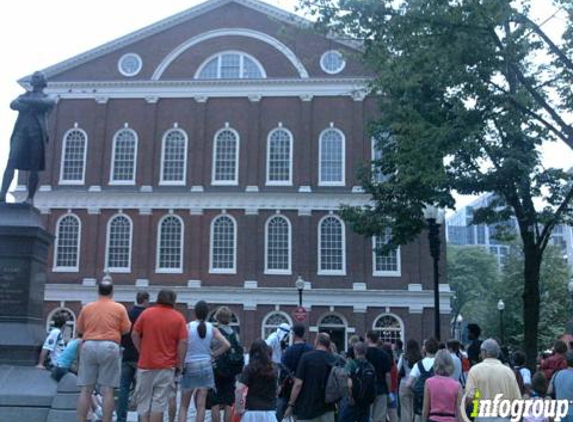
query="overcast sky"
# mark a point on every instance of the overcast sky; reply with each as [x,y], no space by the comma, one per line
[36,34]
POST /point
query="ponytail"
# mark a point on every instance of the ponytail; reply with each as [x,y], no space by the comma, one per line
[201,312]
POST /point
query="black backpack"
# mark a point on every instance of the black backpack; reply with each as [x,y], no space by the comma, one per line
[419,387]
[363,383]
[230,363]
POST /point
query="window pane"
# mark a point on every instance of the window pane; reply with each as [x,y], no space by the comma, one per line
[209,71]
[331,157]
[279,156]
[170,243]
[272,322]
[278,244]
[67,242]
[74,153]
[174,157]
[389,329]
[331,245]
[223,247]
[124,156]
[250,69]
[387,262]
[226,156]
[118,251]
[230,66]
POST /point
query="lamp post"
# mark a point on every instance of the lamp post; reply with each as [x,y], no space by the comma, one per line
[459,321]
[435,218]
[299,284]
[500,308]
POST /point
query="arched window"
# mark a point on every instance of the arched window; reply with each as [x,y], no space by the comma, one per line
[235,324]
[170,244]
[279,157]
[278,246]
[332,158]
[231,65]
[336,327]
[226,157]
[272,321]
[385,264]
[74,150]
[223,252]
[68,330]
[174,158]
[331,246]
[67,248]
[118,250]
[124,159]
[389,327]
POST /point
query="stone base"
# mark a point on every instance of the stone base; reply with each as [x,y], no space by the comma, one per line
[21,342]
[31,395]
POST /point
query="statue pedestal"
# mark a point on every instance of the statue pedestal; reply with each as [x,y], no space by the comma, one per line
[24,247]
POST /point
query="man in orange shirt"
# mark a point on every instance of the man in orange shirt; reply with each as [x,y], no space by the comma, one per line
[160,335]
[102,324]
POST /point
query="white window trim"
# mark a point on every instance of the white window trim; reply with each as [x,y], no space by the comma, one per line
[344,325]
[161,270]
[112,167]
[223,270]
[59,309]
[75,269]
[267,316]
[218,55]
[331,72]
[278,272]
[119,269]
[125,56]
[183,182]
[320,182]
[400,320]
[397,273]
[234,182]
[291,143]
[63,181]
[332,272]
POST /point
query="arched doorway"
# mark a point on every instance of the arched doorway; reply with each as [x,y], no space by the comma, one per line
[335,326]
[389,327]
[69,330]
[272,321]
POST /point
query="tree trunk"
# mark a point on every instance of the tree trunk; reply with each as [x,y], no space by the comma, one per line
[531,272]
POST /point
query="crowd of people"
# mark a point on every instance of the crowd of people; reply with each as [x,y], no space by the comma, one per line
[283,376]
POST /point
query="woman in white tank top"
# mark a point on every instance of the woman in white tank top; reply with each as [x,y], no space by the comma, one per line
[198,374]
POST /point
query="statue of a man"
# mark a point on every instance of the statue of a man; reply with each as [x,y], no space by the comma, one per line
[29,136]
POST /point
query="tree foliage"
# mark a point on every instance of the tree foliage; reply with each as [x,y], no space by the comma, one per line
[468,91]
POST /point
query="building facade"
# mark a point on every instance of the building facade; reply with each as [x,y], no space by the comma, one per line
[209,153]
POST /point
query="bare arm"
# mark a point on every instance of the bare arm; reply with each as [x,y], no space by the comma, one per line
[239,392]
[136,338]
[42,359]
[181,352]
[426,406]
[223,343]
[297,386]
[388,381]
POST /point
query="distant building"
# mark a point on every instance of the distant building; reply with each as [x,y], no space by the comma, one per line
[461,231]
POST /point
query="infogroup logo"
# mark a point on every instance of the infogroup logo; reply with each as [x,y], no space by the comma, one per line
[514,409]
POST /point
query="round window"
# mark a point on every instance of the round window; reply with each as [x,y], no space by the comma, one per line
[332,62]
[129,64]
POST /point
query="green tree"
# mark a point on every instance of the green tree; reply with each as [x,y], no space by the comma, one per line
[468,90]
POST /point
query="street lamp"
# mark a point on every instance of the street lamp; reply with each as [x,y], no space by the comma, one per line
[500,308]
[299,284]
[435,218]
[459,321]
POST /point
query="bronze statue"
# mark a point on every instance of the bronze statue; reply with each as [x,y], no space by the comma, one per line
[29,136]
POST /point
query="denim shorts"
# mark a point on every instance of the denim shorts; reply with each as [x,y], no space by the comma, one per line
[198,375]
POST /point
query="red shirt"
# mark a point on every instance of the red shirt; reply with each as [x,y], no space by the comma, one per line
[161,328]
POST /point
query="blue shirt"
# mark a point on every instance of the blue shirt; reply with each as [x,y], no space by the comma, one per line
[69,355]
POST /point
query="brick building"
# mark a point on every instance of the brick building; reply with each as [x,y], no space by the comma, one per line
[209,152]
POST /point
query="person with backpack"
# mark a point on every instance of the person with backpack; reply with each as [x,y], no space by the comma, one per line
[382,364]
[361,387]
[198,375]
[291,358]
[405,364]
[442,393]
[522,373]
[226,368]
[308,396]
[54,343]
[423,370]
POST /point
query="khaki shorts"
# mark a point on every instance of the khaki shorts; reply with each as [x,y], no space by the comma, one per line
[100,363]
[379,409]
[152,390]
